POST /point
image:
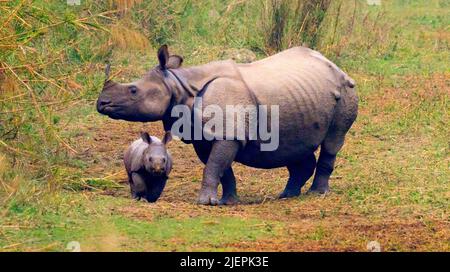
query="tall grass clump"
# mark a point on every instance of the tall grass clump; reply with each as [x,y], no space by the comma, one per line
[286,23]
[353,25]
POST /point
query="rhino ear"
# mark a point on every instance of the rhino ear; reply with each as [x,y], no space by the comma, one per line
[146,137]
[174,62]
[167,138]
[163,57]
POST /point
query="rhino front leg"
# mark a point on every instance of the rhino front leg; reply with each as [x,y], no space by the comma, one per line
[220,159]
[298,176]
[228,181]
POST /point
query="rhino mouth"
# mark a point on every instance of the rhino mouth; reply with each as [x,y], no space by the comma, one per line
[106,109]
[113,115]
[114,112]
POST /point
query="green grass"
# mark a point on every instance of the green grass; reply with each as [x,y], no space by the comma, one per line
[46,225]
[198,233]
[94,224]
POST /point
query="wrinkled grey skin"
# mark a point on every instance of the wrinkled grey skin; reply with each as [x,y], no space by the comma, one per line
[148,165]
[317,101]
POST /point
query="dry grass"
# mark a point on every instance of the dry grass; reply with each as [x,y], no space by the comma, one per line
[393,103]
[289,23]
[124,37]
[35,82]
[124,5]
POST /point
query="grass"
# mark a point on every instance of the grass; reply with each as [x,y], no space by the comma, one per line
[84,218]
[197,233]
[391,180]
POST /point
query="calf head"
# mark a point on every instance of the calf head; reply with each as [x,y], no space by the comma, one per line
[144,100]
[155,157]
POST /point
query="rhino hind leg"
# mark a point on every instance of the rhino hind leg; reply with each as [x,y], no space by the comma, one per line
[329,148]
[298,176]
[229,194]
[325,166]
[345,115]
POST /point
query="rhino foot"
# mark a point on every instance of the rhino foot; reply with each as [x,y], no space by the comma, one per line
[319,191]
[229,200]
[289,194]
[208,198]
[208,201]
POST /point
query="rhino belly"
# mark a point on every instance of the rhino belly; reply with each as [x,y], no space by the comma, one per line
[252,156]
[302,128]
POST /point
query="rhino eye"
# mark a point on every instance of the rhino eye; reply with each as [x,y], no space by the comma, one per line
[133,89]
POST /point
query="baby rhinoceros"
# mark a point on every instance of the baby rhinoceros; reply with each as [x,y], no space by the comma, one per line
[148,164]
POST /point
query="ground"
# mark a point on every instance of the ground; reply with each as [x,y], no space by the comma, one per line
[390,185]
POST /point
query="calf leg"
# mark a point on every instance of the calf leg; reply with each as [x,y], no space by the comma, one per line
[220,159]
[298,175]
[137,185]
[228,181]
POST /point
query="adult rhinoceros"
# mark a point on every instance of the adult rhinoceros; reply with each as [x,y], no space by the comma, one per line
[317,105]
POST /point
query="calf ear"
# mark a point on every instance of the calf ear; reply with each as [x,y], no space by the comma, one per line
[167,137]
[146,137]
[174,62]
[163,57]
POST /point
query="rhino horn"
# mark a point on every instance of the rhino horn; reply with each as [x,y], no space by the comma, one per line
[107,71]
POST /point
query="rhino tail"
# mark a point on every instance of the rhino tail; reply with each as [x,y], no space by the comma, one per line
[347,81]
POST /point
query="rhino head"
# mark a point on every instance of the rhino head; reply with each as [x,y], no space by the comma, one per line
[155,157]
[144,100]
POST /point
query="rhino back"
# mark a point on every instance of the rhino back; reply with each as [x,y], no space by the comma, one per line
[306,87]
